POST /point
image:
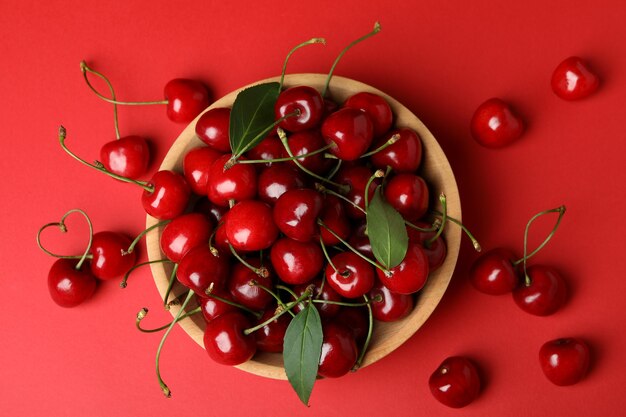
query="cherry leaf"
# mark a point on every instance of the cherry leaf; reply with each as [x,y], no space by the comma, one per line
[302,348]
[387,232]
[252,116]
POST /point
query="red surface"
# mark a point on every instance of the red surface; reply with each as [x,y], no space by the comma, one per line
[441,59]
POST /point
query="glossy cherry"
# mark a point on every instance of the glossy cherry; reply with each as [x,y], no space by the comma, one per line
[277,179]
[268,149]
[225,341]
[296,213]
[353,276]
[69,286]
[250,226]
[213,212]
[185,99]
[494,124]
[197,166]
[376,107]
[356,177]
[128,156]
[455,383]
[339,351]
[200,270]
[573,80]
[544,294]
[356,319]
[436,250]
[392,306]
[564,361]
[169,196]
[320,292]
[410,275]
[270,337]
[236,183]
[307,141]
[213,129]
[335,218]
[404,155]
[184,233]
[212,308]
[243,289]
[349,131]
[493,272]
[296,262]
[408,194]
[305,100]
[360,241]
[109,257]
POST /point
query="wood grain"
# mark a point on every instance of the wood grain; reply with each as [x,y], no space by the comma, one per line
[435,169]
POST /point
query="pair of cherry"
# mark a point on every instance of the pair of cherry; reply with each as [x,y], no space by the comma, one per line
[495,124]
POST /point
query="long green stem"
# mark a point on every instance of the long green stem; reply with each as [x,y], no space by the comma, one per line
[469,234]
[378,174]
[309,42]
[393,139]
[284,309]
[61,225]
[319,187]
[234,304]
[134,243]
[369,334]
[274,295]
[124,282]
[142,314]
[170,285]
[444,219]
[261,271]
[84,69]
[290,158]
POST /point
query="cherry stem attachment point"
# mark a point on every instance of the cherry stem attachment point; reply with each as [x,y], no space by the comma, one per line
[84,68]
[61,225]
[124,282]
[368,338]
[170,285]
[261,271]
[393,139]
[295,48]
[444,219]
[144,312]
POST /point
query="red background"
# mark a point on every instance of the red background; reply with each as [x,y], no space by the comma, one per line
[439,58]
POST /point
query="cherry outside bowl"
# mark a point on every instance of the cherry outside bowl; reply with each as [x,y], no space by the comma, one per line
[435,169]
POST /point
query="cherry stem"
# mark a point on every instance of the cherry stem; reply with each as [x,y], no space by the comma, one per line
[561,211]
[144,312]
[469,234]
[123,284]
[335,169]
[309,42]
[342,53]
[393,139]
[444,219]
[262,271]
[378,174]
[290,158]
[61,225]
[164,387]
[273,294]
[84,68]
[98,165]
[282,310]
[283,139]
[346,304]
[170,285]
[134,243]
[319,187]
[432,228]
[234,304]
[287,289]
[321,223]
[319,292]
[369,333]
[325,251]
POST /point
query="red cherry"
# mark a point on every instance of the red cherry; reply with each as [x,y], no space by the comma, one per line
[493,272]
[243,290]
[436,250]
[307,141]
[200,270]
[196,168]
[69,286]
[349,131]
[128,156]
[405,155]
[183,234]
[296,262]
[456,382]
[213,128]
[339,351]
[213,212]
[277,179]
[356,177]
[269,338]
[304,99]
[356,319]
[360,241]
[353,277]
[320,292]
[212,307]
[109,257]
[376,107]
[564,361]
[410,275]
[408,193]
[225,341]
[495,125]
[545,293]
[169,197]
[392,306]
[296,213]
[237,183]
[185,99]
[250,226]
[572,79]
[334,217]
[269,148]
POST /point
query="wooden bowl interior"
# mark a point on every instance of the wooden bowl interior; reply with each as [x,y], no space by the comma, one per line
[435,169]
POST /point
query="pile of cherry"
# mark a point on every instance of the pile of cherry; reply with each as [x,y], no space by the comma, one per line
[305,216]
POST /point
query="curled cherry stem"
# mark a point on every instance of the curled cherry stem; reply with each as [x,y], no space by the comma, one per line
[164,387]
[274,295]
[61,225]
[144,312]
[290,158]
[134,243]
[261,271]
[378,174]
[98,165]
[469,234]
[444,219]
[295,48]
[561,211]
[393,139]
[170,285]
[124,282]
[84,68]
[342,53]
[282,310]
[368,338]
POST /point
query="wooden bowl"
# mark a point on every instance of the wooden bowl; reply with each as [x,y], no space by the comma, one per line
[435,169]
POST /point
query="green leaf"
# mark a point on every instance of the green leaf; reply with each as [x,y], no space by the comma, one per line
[302,348]
[252,116]
[387,232]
